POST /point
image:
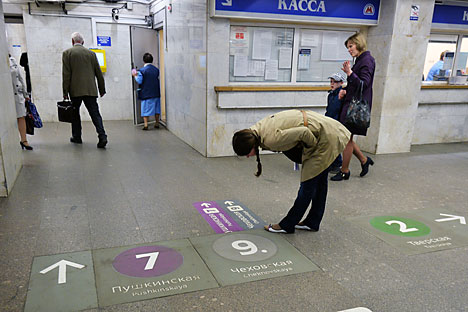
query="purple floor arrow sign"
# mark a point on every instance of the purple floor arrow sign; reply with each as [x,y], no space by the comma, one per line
[241,214]
[217,218]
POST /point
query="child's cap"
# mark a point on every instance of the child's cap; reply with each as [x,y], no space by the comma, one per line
[338,77]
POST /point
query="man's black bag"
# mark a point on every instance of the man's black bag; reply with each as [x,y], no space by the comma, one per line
[358,114]
[66,111]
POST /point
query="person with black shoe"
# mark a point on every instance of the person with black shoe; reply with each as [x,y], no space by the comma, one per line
[304,137]
[80,70]
[149,92]
[21,96]
[333,110]
[362,71]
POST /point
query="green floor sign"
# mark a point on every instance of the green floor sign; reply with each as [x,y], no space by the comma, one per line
[400,226]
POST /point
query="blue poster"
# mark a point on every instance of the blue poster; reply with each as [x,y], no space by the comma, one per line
[364,12]
[104,41]
[450,14]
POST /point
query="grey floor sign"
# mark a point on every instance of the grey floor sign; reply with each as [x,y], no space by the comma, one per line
[126,274]
[249,256]
[420,231]
[62,283]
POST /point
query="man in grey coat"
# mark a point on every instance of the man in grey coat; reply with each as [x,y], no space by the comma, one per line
[80,69]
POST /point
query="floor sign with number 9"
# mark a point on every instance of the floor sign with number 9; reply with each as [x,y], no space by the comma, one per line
[245,247]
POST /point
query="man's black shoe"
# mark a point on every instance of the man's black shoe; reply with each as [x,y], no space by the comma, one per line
[76,140]
[102,143]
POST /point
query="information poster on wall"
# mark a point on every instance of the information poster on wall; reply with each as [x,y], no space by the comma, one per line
[310,38]
[285,56]
[256,69]
[239,41]
[241,65]
[261,49]
[304,59]
[333,48]
[271,71]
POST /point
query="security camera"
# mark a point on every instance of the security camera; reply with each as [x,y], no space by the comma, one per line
[115,15]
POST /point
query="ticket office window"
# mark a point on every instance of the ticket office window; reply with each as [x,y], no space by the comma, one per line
[320,54]
[291,54]
[260,54]
[461,63]
[446,56]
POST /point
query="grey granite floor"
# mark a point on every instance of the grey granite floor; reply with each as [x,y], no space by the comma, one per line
[141,188]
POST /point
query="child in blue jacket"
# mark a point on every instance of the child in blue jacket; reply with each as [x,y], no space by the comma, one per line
[334,109]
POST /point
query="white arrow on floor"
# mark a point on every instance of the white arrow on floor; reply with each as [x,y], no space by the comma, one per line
[451,218]
[206,205]
[62,265]
[227,202]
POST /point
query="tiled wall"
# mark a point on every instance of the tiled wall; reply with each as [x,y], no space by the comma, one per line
[185,68]
[47,37]
[10,151]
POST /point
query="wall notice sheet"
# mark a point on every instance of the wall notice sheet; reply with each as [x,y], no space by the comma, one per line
[256,68]
[333,48]
[285,55]
[309,38]
[271,70]
[261,47]
[240,65]
[239,41]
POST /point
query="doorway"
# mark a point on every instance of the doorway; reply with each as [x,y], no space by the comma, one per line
[144,40]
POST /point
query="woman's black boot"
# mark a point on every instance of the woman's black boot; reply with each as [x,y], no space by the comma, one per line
[365,167]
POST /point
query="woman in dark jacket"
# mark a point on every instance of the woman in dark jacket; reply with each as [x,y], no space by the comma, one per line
[363,70]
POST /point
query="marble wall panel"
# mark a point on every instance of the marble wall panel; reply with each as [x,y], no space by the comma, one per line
[400,98]
[404,25]
[451,129]
[397,84]
[16,36]
[10,152]
[425,130]
[395,132]
[310,98]
[46,45]
[219,76]
[186,71]
[408,55]
[441,123]
[219,30]
[386,19]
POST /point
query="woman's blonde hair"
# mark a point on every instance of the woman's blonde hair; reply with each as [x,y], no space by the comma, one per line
[359,40]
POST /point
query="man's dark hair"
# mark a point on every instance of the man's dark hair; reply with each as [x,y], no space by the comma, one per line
[148,58]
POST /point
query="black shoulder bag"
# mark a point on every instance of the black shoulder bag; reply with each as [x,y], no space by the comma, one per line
[358,114]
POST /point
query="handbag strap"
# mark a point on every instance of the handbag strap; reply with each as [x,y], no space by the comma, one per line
[360,89]
[304,115]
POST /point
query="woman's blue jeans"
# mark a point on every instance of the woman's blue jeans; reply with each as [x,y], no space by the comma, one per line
[315,191]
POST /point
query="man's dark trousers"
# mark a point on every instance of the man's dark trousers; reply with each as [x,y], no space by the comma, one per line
[93,110]
[313,190]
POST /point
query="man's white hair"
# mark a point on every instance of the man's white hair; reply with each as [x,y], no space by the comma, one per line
[77,37]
